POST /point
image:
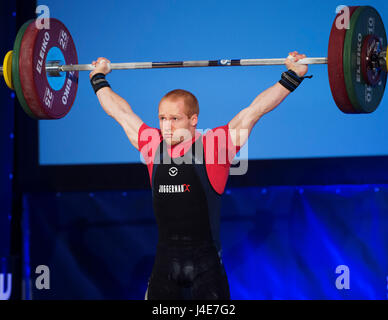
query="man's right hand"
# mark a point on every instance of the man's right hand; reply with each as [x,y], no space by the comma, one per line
[102,65]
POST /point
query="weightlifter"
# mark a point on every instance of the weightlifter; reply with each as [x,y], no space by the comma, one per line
[186,194]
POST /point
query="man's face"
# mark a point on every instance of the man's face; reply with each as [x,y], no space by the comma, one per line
[175,125]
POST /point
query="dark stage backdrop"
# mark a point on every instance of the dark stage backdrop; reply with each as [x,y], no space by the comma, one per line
[7,136]
[278,242]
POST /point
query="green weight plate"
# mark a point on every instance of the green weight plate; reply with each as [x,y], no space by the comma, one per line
[15,70]
[364,97]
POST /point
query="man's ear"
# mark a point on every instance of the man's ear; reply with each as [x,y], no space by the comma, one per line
[194,120]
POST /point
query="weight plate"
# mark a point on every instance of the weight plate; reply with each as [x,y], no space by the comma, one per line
[7,69]
[364,97]
[335,64]
[15,70]
[50,102]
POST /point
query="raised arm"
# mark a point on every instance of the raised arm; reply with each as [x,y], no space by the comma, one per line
[265,102]
[115,106]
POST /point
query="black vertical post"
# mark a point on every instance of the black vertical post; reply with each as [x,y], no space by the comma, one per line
[7,134]
[23,126]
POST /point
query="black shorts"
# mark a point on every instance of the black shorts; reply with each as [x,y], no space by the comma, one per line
[188,273]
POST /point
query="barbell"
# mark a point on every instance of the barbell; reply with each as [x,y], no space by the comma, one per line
[43,67]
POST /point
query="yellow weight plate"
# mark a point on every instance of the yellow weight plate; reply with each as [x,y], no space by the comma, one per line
[7,69]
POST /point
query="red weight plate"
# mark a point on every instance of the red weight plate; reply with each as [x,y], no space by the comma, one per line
[46,102]
[335,65]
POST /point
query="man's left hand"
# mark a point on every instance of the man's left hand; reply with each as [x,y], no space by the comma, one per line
[299,69]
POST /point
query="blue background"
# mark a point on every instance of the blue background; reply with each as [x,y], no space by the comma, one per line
[307,124]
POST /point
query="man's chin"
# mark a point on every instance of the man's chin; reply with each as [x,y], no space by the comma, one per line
[171,142]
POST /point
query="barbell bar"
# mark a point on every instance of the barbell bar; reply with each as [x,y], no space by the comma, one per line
[53,68]
[183,64]
[44,72]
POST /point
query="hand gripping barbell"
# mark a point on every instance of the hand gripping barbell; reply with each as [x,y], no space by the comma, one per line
[43,66]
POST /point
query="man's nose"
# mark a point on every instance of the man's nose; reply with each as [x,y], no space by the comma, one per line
[167,124]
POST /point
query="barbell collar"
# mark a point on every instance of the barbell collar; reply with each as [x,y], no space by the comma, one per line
[52,68]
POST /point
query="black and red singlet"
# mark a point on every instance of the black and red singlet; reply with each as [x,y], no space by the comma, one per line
[187,181]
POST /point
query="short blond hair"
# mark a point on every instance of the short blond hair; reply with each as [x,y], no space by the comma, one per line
[190,101]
